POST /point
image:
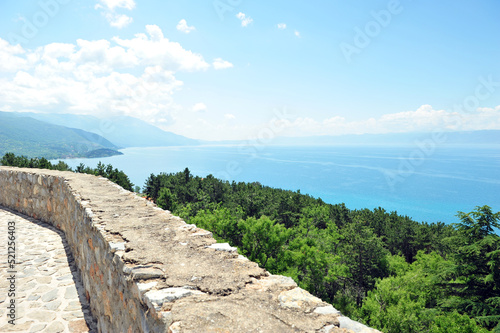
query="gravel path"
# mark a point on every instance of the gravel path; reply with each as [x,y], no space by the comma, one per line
[49,295]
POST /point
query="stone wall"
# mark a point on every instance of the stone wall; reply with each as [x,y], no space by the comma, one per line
[145,270]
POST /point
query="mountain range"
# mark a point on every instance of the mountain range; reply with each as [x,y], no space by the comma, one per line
[54,135]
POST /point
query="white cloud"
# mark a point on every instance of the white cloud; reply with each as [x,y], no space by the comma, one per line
[489,110]
[245,21]
[297,34]
[219,63]
[183,27]
[282,26]
[118,20]
[229,116]
[424,119]
[134,77]
[159,50]
[12,57]
[199,107]
[112,4]
[108,8]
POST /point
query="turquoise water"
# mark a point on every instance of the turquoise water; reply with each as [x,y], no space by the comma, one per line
[428,185]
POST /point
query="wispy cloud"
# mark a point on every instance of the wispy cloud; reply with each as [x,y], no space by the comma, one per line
[297,34]
[182,26]
[229,116]
[424,119]
[282,26]
[219,63]
[199,107]
[118,20]
[109,7]
[245,20]
[113,4]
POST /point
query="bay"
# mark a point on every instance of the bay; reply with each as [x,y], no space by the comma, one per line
[425,184]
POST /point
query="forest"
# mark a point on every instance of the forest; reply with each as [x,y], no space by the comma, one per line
[117,176]
[377,267]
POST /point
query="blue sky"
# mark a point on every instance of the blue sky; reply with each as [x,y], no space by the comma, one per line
[237,69]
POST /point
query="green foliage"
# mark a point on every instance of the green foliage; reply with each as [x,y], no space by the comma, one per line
[10,159]
[221,222]
[263,240]
[166,200]
[116,176]
[455,323]
[406,301]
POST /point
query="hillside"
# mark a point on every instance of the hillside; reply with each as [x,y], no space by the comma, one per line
[33,138]
[122,130]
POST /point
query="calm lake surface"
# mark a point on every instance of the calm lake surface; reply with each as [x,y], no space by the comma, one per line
[426,184]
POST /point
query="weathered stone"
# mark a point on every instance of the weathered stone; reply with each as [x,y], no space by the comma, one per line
[44,279]
[222,247]
[143,287]
[53,306]
[175,328]
[117,246]
[43,316]
[50,296]
[169,295]
[355,326]
[201,233]
[328,329]
[71,293]
[72,315]
[298,298]
[78,326]
[16,328]
[55,327]
[326,310]
[37,328]
[146,273]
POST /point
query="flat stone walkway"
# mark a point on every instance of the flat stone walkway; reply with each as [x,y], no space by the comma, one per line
[49,295]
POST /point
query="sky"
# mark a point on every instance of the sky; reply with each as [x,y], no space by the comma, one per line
[241,69]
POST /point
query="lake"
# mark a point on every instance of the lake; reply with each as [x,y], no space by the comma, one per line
[426,184]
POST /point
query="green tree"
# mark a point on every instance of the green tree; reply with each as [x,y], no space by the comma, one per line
[263,240]
[455,323]
[8,159]
[221,222]
[364,255]
[166,200]
[477,257]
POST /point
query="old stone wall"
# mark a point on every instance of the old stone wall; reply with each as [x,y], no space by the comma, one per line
[145,270]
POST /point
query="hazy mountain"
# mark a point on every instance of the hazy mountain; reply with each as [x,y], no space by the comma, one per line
[122,131]
[131,132]
[24,135]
